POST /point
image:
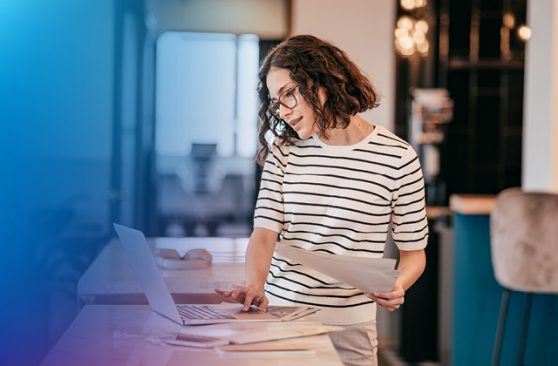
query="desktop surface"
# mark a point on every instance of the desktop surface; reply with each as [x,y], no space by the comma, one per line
[133,335]
[111,280]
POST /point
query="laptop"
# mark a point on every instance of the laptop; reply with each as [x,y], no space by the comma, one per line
[159,297]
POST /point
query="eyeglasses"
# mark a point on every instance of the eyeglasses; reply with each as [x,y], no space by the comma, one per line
[287,99]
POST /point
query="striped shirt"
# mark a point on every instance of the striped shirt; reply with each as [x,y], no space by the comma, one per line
[339,200]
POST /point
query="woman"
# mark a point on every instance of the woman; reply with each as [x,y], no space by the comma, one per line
[331,182]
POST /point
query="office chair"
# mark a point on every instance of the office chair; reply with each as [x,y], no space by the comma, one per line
[203,156]
[524,245]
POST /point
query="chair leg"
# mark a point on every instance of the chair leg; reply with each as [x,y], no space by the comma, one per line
[524,330]
[501,327]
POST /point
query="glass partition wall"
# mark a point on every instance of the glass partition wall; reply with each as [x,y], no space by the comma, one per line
[206,133]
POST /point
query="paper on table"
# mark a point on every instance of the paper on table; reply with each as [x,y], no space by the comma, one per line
[219,334]
[367,274]
[293,331]
[267,349]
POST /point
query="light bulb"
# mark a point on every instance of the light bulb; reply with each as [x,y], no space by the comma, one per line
[524,32]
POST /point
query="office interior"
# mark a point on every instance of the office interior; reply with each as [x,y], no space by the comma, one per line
[145,113]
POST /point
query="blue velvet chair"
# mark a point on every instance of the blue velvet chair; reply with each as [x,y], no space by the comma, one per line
[524,247]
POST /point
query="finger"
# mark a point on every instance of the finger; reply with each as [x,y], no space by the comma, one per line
[236,292]
[389,295]
[378,299]
[385,303]
[263,304]
[247,301]
[221,292]
[390,303]
[240,298]
[389,307]
[382,303]
[237,296]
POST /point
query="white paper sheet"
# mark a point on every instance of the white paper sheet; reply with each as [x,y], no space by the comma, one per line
[233,333]
[367,274]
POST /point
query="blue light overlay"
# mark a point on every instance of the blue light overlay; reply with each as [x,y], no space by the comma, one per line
[55,150]
[81,86]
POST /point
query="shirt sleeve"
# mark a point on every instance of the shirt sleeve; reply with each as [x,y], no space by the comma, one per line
[269,212]
[410,225]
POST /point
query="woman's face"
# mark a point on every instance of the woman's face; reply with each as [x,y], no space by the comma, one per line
[293,108]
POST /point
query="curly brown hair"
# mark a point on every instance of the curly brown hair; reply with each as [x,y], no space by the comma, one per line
[312,64]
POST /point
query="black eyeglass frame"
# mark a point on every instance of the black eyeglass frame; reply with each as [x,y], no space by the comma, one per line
[274,106]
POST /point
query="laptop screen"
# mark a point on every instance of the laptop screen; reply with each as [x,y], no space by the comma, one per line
[143,262]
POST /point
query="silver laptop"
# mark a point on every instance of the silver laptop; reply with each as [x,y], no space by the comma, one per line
[158,295]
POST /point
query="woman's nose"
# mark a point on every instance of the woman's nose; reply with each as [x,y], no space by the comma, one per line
[284,111]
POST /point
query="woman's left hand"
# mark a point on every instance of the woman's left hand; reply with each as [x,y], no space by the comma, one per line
[390,300]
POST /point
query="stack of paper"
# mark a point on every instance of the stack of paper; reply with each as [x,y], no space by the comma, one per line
[367,274]
[290,313]
[238,334]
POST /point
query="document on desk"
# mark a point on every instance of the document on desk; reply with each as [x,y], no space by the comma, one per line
[367,274]
[265,349]
[245,334]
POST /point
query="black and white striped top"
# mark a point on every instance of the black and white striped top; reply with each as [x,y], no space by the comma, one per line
[340,200]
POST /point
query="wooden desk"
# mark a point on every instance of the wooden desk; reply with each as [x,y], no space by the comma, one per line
[110,278]
[113,335]
[472,204]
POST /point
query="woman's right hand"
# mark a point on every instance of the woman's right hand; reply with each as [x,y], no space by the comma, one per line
[246,295]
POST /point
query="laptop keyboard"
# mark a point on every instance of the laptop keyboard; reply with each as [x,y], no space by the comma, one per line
[200,312]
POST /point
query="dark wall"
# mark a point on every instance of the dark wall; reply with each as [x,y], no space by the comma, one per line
[480,60]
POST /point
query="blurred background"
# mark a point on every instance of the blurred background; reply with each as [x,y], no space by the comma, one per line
[145,113]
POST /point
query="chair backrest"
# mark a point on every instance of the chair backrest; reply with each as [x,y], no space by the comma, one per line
[524,240]
[203,151]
